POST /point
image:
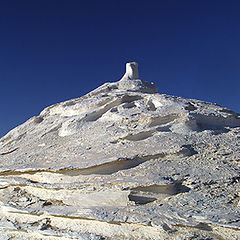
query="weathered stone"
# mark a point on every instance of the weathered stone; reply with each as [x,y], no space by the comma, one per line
[122,162]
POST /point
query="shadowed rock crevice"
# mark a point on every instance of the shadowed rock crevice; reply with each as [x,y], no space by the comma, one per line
[190,107]
[95,115]
[128,163]
[38,119]
[143,195]
[107,168]
[141,200]
[170,189]
[156,121]
[142,135]
[211,122]
[11,151]
[139,136]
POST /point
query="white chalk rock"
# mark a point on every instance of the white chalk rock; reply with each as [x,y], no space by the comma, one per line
[131,71]
[131,82]
[122,162]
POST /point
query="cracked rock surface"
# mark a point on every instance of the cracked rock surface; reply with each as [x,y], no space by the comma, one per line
[123,162]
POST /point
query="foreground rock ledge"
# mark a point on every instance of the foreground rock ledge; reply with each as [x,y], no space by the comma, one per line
[122,162]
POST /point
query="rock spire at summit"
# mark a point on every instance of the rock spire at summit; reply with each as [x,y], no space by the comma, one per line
[131,81]
[131,71]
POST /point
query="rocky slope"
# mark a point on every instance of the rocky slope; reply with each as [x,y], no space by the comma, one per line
[122,162]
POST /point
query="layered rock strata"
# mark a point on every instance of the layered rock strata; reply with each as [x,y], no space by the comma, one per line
[123,162]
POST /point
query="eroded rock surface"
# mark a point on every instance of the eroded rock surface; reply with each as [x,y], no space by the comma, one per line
[122,162]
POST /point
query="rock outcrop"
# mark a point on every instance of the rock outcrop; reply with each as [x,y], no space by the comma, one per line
[123,162]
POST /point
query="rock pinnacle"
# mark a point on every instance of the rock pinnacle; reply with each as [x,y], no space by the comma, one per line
[131,71]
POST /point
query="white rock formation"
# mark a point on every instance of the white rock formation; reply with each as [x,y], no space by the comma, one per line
[131,71]
[122,162]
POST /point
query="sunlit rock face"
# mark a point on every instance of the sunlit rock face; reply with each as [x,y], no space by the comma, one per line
[122,162]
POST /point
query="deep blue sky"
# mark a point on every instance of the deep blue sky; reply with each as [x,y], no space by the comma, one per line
[54,50]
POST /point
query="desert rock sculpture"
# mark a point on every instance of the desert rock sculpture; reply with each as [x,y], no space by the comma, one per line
[123,162]
[131,71]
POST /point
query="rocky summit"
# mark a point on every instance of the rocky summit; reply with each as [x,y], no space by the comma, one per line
[123,162]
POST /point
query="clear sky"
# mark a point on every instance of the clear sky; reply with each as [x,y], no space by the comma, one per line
[54,50]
